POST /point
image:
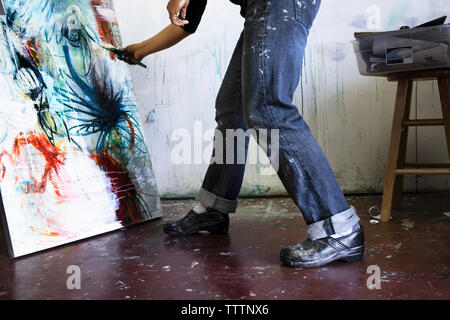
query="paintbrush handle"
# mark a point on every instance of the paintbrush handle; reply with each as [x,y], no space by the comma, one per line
[124,55]
[135,61]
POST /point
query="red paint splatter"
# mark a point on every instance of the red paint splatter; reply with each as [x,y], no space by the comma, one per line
[105,26]
[129,210]
[54,159]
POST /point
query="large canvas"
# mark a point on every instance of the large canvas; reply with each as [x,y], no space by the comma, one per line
[73,159]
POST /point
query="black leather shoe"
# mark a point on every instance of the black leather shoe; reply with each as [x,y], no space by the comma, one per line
[317,253]
[212,221]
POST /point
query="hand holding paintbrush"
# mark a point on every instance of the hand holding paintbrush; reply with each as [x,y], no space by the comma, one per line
[126,56]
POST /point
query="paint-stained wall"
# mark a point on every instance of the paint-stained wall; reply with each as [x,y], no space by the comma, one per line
[349,114]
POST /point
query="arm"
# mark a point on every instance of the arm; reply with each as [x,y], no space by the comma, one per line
[189,10]
[167,38]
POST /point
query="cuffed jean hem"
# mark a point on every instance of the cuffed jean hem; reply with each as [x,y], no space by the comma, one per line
[338,223]
[213,201]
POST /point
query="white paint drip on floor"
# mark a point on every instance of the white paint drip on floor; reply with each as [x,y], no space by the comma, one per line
[407,224]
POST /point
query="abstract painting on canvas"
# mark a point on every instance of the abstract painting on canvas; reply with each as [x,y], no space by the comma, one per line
[73,159]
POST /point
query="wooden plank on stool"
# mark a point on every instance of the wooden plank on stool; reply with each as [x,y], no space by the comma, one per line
[398,185]
[427,165]
[431,74]
[423,123]
[415,172]
[394,149]
[444,91]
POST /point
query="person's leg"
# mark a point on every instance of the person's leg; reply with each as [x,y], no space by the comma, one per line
[222,183]
[223,179]
[275,36]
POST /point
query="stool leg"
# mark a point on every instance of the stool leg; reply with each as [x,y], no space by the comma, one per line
[398,185]
[444,90]
[394,150]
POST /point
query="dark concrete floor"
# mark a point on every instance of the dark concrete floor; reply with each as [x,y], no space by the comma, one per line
[141,262]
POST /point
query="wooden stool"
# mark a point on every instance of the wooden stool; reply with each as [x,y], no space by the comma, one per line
[396,165]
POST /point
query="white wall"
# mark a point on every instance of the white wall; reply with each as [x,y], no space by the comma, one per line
[349,114]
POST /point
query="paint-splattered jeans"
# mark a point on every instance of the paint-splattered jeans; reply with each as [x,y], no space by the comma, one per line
[257,92]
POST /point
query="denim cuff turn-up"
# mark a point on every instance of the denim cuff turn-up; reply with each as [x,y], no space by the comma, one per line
[339,223]
[213,201]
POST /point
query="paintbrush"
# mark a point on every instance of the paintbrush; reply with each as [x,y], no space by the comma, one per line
[124,55]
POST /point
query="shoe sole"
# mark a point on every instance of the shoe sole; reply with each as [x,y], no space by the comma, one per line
[351,255]
[195,230]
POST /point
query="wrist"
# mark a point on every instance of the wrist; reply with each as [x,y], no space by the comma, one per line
[136,51]
[138,54]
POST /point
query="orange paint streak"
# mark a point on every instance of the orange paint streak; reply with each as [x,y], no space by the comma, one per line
[31,48]
[48,234]
[3,154]
[130,124]
[54,158]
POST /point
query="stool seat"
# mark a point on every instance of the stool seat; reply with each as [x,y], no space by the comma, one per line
[430,74]
[397,167]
